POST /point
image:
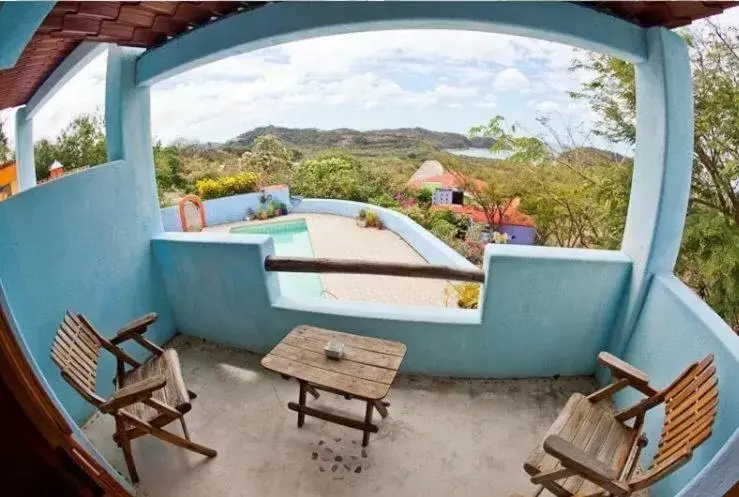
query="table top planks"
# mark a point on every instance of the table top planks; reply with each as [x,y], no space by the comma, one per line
[367,369]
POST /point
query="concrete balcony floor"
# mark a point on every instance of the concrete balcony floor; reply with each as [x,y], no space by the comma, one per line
[443,437]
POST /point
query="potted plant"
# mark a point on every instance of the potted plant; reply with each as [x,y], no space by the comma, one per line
[251,215]
[362,218]
[373,220]
[282,208]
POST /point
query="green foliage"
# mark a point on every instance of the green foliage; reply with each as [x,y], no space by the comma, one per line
[362,214]
[708,254]
[5,153]
[80,144]
[270,157]
[709,261]
[168,167]
[384,200]
[246,182]
[337,176]
[424,196]
[373,220]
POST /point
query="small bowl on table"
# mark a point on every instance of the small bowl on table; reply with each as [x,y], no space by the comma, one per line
[334,350]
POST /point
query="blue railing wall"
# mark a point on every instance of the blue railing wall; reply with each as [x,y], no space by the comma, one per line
[545,311]
[77,243]
[676,328]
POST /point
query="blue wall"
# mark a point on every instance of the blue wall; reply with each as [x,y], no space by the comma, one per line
[546,311]
[675,329]
[77,243]
[520,235]
[226,209]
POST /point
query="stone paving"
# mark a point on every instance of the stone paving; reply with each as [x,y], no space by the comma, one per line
[339,237]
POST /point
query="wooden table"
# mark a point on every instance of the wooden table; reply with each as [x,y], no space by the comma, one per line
[365,372]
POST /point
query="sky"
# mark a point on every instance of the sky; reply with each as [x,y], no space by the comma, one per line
[436,79]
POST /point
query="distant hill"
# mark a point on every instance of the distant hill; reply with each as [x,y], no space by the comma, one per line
[353,139]
[593,156]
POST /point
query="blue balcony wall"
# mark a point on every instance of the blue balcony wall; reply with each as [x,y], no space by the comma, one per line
[545,311]
[676,328]
[78,243]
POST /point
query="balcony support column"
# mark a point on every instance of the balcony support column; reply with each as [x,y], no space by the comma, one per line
[128,132]
[24,157]
[662,171]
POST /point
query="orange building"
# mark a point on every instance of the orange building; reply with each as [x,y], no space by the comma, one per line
[8,180]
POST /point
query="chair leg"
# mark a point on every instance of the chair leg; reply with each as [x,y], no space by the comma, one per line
[184,428]
[125,444]
[170,437]
[192,394]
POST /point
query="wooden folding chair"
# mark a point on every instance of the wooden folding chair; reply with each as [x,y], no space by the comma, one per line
[147,397]
[591,452]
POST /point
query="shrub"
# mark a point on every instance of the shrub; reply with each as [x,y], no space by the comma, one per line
[226,186]
[374,221]
[467,294]
[385,200]
[362,214]
[424,196]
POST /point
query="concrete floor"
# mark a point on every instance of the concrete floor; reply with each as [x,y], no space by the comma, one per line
[443,437]
[338,237]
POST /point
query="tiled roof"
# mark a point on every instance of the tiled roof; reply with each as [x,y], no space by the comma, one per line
[148,24]
[446,180]
[133,24]
[512,215]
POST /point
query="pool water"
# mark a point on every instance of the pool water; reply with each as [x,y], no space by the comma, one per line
[291,239]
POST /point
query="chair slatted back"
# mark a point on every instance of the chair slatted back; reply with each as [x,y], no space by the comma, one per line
[76,350]
[691,403]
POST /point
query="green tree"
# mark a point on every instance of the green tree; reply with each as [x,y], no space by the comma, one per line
[45,153]
[5,153]
[168,167]
[270,157]
[712,226]
[80,144]
[337,176]
[577,195]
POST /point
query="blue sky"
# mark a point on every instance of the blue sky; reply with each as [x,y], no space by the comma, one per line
[441,80]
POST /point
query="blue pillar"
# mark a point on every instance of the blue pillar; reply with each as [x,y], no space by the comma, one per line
[662,170]
[24,157]
[128,131]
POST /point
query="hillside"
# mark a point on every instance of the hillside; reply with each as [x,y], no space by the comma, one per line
[311,138]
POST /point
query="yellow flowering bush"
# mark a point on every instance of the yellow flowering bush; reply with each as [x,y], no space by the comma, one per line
[246,182]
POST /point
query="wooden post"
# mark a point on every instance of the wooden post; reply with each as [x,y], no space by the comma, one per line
[318,265]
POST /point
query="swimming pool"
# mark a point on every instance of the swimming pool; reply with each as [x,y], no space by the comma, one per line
[291,239]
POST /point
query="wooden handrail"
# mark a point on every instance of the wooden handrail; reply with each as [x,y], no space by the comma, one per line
[319,265]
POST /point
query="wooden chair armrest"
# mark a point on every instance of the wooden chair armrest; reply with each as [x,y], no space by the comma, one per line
[135,327]
[585,465]
[133,393]
[640,407]
[623,370]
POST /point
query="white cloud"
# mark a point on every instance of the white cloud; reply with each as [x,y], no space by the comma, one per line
[511,79]
[547,107]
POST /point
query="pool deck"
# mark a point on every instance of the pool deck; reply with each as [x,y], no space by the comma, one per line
[339,237]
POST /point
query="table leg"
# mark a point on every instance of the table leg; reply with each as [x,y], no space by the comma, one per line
[312,391]
[367,421]
[301,402]
[381,407]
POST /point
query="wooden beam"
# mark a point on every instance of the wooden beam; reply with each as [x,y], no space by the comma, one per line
[333,418]
[318,265]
